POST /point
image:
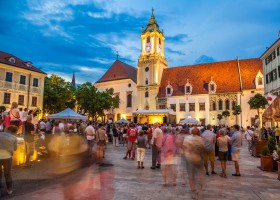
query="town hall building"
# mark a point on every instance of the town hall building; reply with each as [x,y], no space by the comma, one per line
[152,92]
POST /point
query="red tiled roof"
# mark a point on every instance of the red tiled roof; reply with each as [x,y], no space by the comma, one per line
[225,74]
[119,71]
[4,58]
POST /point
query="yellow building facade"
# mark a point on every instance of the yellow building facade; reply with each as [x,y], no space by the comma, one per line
[20,82]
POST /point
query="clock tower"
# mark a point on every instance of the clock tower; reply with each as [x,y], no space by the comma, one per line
[150,65]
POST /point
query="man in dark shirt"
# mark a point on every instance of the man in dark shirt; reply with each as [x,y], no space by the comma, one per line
[28,128]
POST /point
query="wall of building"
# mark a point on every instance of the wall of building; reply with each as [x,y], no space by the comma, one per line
[273,86]
[16,89]
[197,114]
[121,88]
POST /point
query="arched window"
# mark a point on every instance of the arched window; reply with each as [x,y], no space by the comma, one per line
[233,104]
[12,60]
[129,101]
[146,94]
[220,104]
[227,104]
[148,39]
[169,90]
[214,107]
[147,81]
[159,41]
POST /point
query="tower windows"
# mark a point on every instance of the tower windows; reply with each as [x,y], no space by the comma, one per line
[147,81]
[146,94]
[148,44]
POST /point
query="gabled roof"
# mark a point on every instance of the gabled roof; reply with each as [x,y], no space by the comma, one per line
[225,74]
[119,71]
[5,59]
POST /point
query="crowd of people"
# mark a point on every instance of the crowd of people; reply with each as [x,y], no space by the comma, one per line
[172,145]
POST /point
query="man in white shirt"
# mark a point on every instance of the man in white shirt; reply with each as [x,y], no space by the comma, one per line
[249,136]
[90,135]
[24,115]
[61,126]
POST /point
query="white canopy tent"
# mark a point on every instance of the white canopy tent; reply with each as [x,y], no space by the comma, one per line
[67,114]
[122,121]
[189,121]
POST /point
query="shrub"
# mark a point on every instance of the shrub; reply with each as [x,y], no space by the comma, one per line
[265,151]
[271,144]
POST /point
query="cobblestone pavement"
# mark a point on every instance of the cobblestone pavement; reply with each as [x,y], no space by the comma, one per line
[124,181]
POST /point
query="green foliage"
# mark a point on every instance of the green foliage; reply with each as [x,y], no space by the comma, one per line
[2,109]
[236,110]
[226,113]
[94,102]
[265,151]
[278,152]
[271,144]
[58,94]
[219,116]
[257,102]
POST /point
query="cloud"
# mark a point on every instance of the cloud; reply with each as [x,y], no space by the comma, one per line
[204,59]
[91,70]
[178,38]
[101,60]
[170,51]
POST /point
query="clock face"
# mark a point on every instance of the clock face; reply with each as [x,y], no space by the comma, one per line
[148,47]
[147,69]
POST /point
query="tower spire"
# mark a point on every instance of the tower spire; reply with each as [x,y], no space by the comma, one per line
[73,80]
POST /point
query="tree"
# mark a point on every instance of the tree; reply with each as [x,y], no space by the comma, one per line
[257,102]
[219,117]
[94,102]
[236,111]
[58,94]
[2,109]
[226,113]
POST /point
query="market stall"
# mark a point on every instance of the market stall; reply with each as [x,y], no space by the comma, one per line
[68,114]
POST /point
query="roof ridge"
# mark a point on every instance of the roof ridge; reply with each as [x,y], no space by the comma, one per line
[209,63]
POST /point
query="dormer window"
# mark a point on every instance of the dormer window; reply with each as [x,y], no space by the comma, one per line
[212,87]
[169,90]
[28,64]
[12,60]
[188,88]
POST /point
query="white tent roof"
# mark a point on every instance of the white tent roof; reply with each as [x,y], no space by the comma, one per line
[121,121]
[153,112]
[67,114]
[189,121]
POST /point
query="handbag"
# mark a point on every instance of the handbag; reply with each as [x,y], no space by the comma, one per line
[18,119]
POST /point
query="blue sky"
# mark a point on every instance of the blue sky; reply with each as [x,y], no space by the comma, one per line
[62,36]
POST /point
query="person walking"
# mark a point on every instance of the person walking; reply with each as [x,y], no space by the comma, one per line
[235,142]
[222,143]
[90,136]
[14,115]
[209,139]
[28,135]
[101,142]
[132,134]
[156,146]
[141,148]
[193,147]
[115,136]
[8,145]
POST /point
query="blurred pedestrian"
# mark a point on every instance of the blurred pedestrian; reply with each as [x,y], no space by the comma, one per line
[101,142]
[194,149]
[223,151]
[235,142]
[156,146]
[8,145]
[28,135]
[141,148]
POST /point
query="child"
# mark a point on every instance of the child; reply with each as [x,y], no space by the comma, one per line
[141,147]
